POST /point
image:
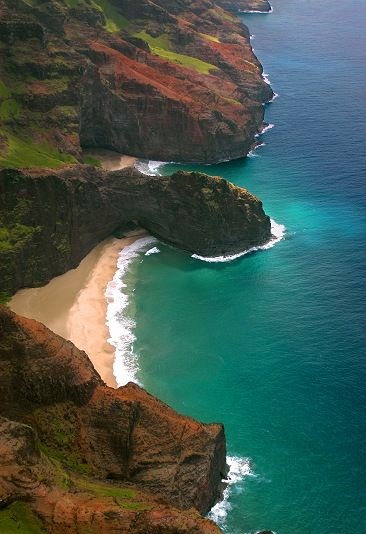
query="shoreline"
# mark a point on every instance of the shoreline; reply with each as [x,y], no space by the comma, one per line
[109,159]
[74,305]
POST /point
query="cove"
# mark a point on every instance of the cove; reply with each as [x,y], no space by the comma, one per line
[273,344]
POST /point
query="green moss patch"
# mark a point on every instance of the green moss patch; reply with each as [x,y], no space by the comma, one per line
[210,37]
[26,153]
[4,91]
[160,46]
[66,459]
[114,20]
[9,109]
[90,160]
[125,497]
[15,236]
[18,518]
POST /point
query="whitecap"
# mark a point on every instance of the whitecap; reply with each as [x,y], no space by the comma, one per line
[252,153]
[154,250]
[256,11]
[275,95]
[277,231]
[239,469]
[266,128]
[121,326]
[265,77]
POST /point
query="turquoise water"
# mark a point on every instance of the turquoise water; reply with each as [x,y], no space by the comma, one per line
[273,344]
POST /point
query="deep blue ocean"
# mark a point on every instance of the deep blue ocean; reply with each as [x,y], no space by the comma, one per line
[273,344]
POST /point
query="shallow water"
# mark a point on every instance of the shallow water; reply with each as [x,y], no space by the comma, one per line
[273,344]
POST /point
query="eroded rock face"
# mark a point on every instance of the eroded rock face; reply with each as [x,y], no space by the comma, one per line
[55,218]
[36,490]
[163,80]
[124,434]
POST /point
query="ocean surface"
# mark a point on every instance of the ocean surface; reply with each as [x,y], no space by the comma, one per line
[273,344]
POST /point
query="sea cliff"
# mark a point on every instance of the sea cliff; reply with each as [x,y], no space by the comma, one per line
[83,457]
[51,219]
[166,80]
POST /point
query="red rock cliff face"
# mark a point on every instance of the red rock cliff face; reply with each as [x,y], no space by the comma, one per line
[161,80]
[125,435]
[54,219]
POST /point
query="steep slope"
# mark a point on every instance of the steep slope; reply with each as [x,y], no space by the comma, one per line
[65,436]
[51,220]
[170,80]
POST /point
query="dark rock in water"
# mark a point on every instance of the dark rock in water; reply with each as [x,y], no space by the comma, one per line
[52,219]
[265,532]
[123,435]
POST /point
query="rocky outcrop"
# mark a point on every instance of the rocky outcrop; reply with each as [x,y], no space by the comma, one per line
[38,495]
[163,80]
[51,220]
[262,6]
[52,400]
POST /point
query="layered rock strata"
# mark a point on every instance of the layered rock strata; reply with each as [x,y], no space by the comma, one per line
[51,220]
[64,435]
[163,80]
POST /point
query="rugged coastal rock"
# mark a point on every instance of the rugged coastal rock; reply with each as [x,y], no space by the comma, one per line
[64,435]
[52,219]
[163,80]
[262,6]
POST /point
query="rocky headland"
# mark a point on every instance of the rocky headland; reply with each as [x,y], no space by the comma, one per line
[51,219]
[166,80]
[77,456]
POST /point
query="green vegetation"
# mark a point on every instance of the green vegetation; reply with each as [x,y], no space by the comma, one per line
[4,297]
[18,518]
[9,109]
[66,459]
[233,101]
[4,91]
[15,236]
[26,153]
[209,198]
[210,37]
[90,160]
[160,46]
[114,20]
[125,497]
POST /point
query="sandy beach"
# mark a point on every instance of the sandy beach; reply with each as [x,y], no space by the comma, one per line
[110,161]
[73,305]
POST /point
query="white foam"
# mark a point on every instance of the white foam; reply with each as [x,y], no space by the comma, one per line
[150,168]
[277,231]
[256,11]
[239,469]
[252,153]
[154,250]
[265,77]
[275,95]
[266,128]
[121,326]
